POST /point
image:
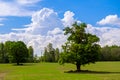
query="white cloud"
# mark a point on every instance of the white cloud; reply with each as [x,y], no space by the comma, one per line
[16,8]
[27,2]
[46,20]
[68,19]
[107,35]
[43,21]
[46,27]
[1,24]
[19,30]
[55,31]
[113,20]
[37,41]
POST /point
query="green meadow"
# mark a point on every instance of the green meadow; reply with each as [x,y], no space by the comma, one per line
[54,71]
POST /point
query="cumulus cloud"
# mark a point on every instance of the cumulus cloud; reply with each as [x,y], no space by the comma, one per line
[46,27]
[68,19]
[43,21]
[55,31]
[107,35]
[113,20]
[38,42]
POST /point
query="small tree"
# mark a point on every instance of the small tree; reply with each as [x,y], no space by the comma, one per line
[81,48]
[49,53]
[30,52]
[57,55]
[18,52]
[8,45]
[46,56]
[2,53]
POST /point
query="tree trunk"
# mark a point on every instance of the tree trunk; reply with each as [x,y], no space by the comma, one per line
[78,67]
[18,63]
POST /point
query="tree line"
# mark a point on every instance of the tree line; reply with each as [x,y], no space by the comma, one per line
[110,53]
[107,53]
[15,52]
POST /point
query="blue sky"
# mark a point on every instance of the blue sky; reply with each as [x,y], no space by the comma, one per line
[38,22]
[89,11]
[85,10]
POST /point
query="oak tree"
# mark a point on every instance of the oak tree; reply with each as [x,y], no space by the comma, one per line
[81,47]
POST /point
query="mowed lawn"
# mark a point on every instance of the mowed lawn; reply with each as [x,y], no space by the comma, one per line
[54,71]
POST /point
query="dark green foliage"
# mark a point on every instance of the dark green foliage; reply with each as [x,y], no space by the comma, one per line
[110,53]
[8,45]
[81,47]
[2,51]
[19,52]
[3,54]
[15,52]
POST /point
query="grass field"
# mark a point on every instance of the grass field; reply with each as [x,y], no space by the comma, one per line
[54,71]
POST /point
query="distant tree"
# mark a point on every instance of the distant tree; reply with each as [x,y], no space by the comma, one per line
[81,48]
[110,53]
[2,53]
[8,45]
[31,55]
[19,52]
[42,59]
[46,55]
[49,53]
[52,55]
[36,58]
[105,53]
[57,53]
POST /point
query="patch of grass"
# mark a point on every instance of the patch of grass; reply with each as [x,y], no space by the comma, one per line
[54,71]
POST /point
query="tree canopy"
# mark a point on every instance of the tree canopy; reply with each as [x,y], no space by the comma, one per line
[15,52]
[81,47]
[30,52]
[19,52]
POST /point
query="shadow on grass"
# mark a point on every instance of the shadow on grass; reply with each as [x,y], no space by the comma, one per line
[24,64]
[91,72]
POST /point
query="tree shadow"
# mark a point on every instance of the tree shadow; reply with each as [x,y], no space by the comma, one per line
[24,64]
[91,72]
